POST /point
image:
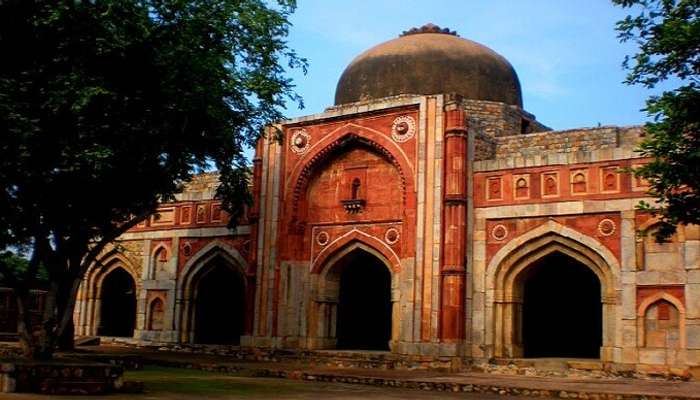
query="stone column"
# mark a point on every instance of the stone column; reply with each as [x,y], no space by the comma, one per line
[453,268]
[254,220]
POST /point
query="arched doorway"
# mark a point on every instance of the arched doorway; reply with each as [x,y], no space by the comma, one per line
[514,263]
[561,309]
[364,303]
[219,304]
[354,300]
[118,304]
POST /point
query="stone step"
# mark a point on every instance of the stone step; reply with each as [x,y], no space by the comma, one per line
[87,341]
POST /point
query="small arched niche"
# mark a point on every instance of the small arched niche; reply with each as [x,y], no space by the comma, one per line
[160,263]
[156,314]
[661,330]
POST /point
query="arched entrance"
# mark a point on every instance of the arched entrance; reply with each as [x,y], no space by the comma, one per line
[561,309]
[118,304]
[219,300]
[355,300]
[364,303]
[549,262]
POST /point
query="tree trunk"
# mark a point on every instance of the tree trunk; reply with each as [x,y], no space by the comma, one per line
[66,342]
[46,342]
[66,308]
[66,326]
[24,325]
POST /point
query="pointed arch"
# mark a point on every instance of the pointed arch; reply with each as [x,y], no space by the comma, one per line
[505,272]
[89,297]
[156,311]
[104,267]
[645,242]
[159,259]
[650,301]
[325,282]
[161,247]
[356,239]
[216,248]
[192,273]
[550,237]
[647,302]
[340,137]
[116,292]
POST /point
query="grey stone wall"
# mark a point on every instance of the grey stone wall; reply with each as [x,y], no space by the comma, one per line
[560,147]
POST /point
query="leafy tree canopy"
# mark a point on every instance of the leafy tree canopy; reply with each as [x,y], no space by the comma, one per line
[667,33]
[108,106]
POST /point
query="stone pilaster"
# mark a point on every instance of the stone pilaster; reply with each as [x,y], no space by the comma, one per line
[453,267]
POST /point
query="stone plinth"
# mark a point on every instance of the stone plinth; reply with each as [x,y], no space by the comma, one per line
[59,377]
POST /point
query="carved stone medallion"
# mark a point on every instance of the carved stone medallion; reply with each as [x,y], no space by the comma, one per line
[391,236]
[499,232]
[403,128]
[322,238]
[606,227]
[301,141]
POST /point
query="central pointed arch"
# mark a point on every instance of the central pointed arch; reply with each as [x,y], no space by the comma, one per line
[340,138]
[355,299]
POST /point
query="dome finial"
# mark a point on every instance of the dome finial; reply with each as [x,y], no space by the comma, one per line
[428,28]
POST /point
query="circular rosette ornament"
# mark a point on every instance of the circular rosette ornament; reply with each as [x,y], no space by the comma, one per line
[323,238]
[391,236]
[403,128]
[301,141]
[606,227]
[499,232]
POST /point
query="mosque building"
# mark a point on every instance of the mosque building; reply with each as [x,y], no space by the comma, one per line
[427,214]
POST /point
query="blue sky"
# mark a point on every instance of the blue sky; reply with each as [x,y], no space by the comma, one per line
[565,52]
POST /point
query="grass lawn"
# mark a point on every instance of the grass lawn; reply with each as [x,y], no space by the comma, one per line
[163,383]
[192,381]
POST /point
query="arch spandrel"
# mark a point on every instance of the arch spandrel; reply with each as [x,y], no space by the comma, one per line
[104,267]
[200,259]
[353,240]
[650,300]
[581,247]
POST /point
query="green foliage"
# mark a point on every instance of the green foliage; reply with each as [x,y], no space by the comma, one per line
[667,33]
[19,266]
[108,106]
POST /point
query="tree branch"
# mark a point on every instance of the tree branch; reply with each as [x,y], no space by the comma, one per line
[97,249]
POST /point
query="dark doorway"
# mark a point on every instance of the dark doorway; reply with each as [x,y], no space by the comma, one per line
[562,310]
[118,305]
[364,304]
[219,306]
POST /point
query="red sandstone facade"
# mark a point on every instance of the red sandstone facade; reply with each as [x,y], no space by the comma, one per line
[463,203]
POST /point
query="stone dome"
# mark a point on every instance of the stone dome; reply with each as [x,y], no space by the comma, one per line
[429,60]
